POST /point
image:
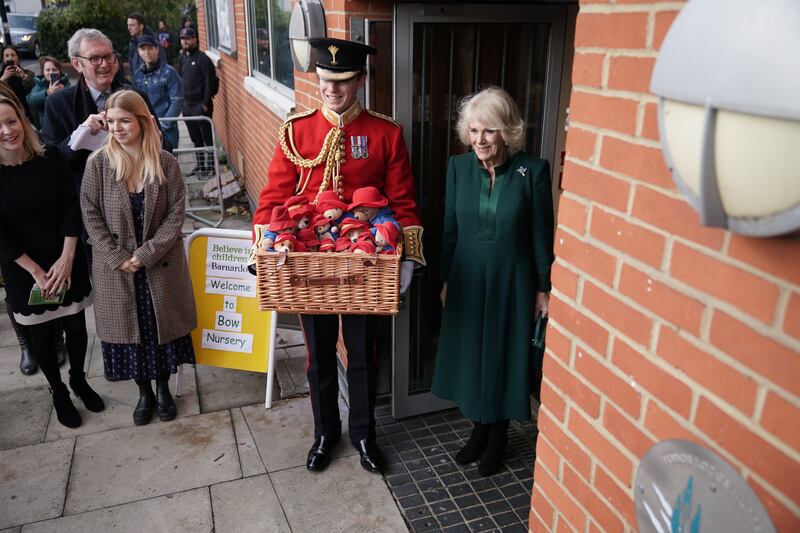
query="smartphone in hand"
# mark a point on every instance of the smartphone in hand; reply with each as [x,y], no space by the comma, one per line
[54,78]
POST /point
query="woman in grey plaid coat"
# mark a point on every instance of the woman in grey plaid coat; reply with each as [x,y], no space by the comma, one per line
[133,203]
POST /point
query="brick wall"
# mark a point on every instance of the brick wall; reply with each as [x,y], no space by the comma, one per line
[246,127]
[661,328]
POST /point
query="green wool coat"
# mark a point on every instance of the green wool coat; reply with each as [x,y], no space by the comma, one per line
[497,249]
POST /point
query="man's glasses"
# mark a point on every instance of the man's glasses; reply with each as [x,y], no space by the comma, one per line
[96,61]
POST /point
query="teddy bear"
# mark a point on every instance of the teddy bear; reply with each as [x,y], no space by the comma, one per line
[352,228]
[324,228]
[300,211]
[308,237]
[285,242]
[386,235]
[331,207]
[280,223]
[369,205]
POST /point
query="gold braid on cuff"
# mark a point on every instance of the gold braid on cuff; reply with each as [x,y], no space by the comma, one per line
[412,244]
[259,230]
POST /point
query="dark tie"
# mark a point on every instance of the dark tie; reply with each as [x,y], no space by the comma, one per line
[101,100]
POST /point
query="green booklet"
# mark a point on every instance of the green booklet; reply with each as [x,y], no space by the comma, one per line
[37,298]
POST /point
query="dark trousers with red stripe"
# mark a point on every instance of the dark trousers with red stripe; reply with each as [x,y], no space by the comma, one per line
[321,333]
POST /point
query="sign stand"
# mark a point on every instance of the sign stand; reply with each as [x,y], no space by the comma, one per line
[231,331]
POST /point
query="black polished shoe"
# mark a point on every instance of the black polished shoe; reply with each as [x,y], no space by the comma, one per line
[167,410]
[65,409]
[143,412]
[319,456]
[27,364]
[371,456]
[82,390]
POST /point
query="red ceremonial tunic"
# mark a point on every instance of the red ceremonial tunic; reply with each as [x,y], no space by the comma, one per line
[386,165]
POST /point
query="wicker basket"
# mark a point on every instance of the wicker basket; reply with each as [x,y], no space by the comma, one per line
[322,283]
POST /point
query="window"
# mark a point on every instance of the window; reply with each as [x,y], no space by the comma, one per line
[269,40]
[211,24]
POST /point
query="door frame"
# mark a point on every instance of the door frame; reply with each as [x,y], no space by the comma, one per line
[405,16]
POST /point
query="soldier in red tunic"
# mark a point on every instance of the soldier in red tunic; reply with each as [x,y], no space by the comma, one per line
[342,147]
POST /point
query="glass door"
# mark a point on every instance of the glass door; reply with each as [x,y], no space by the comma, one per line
[444,53]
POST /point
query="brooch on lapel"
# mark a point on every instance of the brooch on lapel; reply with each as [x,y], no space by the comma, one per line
[358,146]
[522,170]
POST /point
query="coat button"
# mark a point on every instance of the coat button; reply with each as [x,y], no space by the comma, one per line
[114,236]
[165,263]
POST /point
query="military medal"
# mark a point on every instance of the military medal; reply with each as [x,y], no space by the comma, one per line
[358,147]
[522,170]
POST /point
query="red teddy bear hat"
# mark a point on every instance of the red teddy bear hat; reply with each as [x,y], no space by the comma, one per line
[389,232]
[281,219]
[327,245]
[329,200]
[364,244]
[299,207]
[350,224]
[367,197]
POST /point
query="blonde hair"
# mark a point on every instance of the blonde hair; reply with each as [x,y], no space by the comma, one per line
[494,108]
[30,142]
[118,158]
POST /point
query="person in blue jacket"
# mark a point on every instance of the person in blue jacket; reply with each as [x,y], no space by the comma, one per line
[162,83]
[51,80]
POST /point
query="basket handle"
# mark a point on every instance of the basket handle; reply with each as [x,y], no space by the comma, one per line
[311,281]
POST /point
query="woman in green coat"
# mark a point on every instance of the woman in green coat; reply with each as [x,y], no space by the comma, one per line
[497,249]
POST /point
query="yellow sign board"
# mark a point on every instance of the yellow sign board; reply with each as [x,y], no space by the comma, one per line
[231,331]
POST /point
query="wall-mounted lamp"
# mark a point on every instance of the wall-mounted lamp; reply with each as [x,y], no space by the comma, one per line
[728,81]
[307,22]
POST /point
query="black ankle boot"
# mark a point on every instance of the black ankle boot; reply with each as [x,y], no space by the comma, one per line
[143,412]
[492,458]
[65,410]
[475,445]
[167,410]
[78,384]
[27,364]
[61,346]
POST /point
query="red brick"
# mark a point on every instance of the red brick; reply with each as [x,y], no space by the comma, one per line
[618,498]
[779,256]
[752,294]
[580,143]
[782,419]
[600,447]
[558,344]
[617,313]
[665,426]
[585,257]
[744,443]
[588,497]
[663,21]
[616,30]
[536,525]
[791,322]
[612,386]
[596,186]
[678,309]
[547,457]
[587,69]
[718,377]
[566,446]
[567,508]
[782,518]
[648,376]
[636,241]
[563,526]
[675,216]
[630,73]
[572,214]
[541,507]
[565,280]
[626,431]
[580,394]
[553,401]
[611,112]
[579,324]
[641,163]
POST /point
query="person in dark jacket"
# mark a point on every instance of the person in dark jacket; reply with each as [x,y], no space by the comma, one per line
[166,40]
[137,28]
[198,75]
[162,84]
[50,81]
[19,79]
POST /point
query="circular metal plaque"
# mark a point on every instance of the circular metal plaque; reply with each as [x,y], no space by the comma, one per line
[682,487]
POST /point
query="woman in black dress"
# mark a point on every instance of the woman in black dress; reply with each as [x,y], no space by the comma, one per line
[39,227]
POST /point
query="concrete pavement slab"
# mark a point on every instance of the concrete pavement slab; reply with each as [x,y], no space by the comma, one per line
[284,433]
[224,388]
[11,530]
[33,481]
[131,464]
[291,374]
[120,398]
[289,337]
[249,459]
[24,414]
[248,506]
[344,497]
[184,511]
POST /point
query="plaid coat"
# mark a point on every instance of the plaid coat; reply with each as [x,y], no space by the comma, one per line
[108,218]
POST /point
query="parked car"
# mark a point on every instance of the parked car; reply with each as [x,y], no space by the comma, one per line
[23,34]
